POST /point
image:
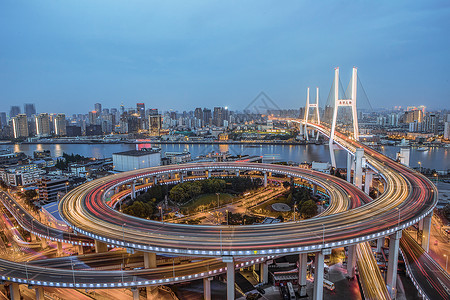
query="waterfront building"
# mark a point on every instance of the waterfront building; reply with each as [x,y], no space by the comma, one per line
[136,159]
[60,124]
[42,122]
[20,126]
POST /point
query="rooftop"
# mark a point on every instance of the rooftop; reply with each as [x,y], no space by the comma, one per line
[147,151]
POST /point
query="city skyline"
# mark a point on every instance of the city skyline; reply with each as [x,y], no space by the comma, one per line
[67,58]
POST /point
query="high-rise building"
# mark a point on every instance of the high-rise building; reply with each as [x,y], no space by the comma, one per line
[198,114]
[414,116]
[98,107]
[2,119]
[29,109]
[20,126]
[207,117]
[152,112]
[218,116]
[15,110]
[155,124]
[93,116]
[42,122]
[140,108]
[60,124]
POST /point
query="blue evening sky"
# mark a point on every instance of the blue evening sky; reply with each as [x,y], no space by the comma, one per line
[66,55]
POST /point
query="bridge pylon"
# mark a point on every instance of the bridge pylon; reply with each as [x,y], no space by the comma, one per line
[316,112]
[344,103]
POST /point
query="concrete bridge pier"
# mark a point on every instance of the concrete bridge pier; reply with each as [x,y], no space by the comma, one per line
[265,179]
[135,292]
[229,260]
[426,232]
[351,261]
[100,247]
[39,293]
[14,291]
[133,189]
[302,265]
[318,273]
[264,272]
[207,288]
[368,181]
[391,278]
[349,167]
[380,243]
[357,178]
[59,249]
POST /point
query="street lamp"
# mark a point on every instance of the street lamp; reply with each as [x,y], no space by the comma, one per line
[160,210]
[295,207]
[420,167]
[227,216]
[67,183]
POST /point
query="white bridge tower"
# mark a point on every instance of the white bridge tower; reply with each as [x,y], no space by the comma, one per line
[316,112]
[342,103]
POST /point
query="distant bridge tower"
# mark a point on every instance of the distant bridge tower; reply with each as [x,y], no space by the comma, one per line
[316,111]
[342,103]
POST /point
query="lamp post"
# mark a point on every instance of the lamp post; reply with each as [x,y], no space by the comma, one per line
[67,183]
[420,167]
[227,216]
[161,212]
[295,207]
[323,235]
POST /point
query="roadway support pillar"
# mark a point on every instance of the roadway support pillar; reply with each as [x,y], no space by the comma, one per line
[181,177]
[357,179]
[229,260]
[59,249]
[264,272]
[149,260]
[349,167]
[302,265]
[380,244]
[208,173]
[80,250]
[426,232]
[135,292]
[116,190]
[391,278]
[351,261]
[100,247]
[265,179]
[318,273]
[155,180]
[14,291]
[368,181]
[32,237]
[133,189]
[314,189]
[207,288]
[39,293]
[238,173]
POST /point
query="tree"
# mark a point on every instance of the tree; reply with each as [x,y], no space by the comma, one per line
[30,194]
[308,209]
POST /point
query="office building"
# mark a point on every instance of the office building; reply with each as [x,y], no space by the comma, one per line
[29,109]
[3,122]
[140,108]
[49,188]
[42,122]
[155,125]
[15,110]
[207,117]
[98,108]
[218,116]
[20,126]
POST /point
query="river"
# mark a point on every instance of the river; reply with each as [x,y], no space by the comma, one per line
[435,158]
